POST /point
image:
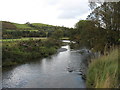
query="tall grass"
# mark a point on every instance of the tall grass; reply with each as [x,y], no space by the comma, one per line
[103,72]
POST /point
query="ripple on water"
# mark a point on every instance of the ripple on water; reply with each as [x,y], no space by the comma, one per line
[47,73]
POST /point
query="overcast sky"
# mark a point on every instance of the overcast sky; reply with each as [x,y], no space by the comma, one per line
[53,12]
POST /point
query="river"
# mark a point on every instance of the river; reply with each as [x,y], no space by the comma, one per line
[51,72]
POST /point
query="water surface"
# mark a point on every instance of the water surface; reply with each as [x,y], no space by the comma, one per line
[51,72]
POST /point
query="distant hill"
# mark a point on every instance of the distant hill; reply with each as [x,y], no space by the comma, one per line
[27,26]
[16,30]
[41,25]
[8,25]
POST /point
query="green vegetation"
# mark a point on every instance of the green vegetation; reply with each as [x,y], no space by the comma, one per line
[22,30]
[29,41]
[86,34]
[15,30]
[65,38]
[40,25]
[22,26]
[103,72]
[100,30]
[23,51]
[22,39]
[58,34]
[98,33]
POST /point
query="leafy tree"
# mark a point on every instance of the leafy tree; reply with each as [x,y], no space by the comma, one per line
[57,34]
[106,15]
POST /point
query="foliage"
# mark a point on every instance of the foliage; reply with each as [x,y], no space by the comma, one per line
[103,72]
[107,17]
[15,30]
[86,34]
[23,51]
[22,39]
[100,30]
[57,34]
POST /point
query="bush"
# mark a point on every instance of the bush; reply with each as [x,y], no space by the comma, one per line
[22,51]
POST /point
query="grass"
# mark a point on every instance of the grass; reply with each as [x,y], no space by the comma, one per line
[24,51]
[103,72]
[40,24]
[22,26]
[22,39]
[65,38]
[23,30]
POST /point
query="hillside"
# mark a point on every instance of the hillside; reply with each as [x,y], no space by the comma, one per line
[15,30]
[22,26]
[8,25]
[26,26]
[41,25]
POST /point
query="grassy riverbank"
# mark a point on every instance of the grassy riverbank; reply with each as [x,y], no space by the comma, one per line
[103,72]
[22,51]
[23,39]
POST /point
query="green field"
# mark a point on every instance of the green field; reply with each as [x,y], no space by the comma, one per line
[22,30]
[40,24]
[22,26]
[28,38]
[22,39]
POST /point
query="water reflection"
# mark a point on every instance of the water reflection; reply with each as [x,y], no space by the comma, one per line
[47,73]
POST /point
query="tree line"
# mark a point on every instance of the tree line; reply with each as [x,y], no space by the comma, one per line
[100,30]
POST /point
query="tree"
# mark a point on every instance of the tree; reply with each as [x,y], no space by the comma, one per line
[57,34]
[106,15]
[84,33]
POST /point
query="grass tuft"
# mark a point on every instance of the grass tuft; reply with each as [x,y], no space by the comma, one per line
[103,72]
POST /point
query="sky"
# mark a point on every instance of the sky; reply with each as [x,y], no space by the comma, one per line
[53,12]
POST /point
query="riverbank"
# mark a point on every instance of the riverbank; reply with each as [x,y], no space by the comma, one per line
[103,72]
[14,53]
[49,72]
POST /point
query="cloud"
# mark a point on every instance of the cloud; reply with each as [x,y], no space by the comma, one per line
[51,2]
[54,12]
[69,9]
[73,8]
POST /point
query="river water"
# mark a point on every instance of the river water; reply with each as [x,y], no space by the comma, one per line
[51,72]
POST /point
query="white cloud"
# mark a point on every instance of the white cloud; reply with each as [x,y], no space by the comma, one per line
[73,8]
[55,12]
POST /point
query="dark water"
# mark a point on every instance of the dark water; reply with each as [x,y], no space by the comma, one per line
[49,72]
